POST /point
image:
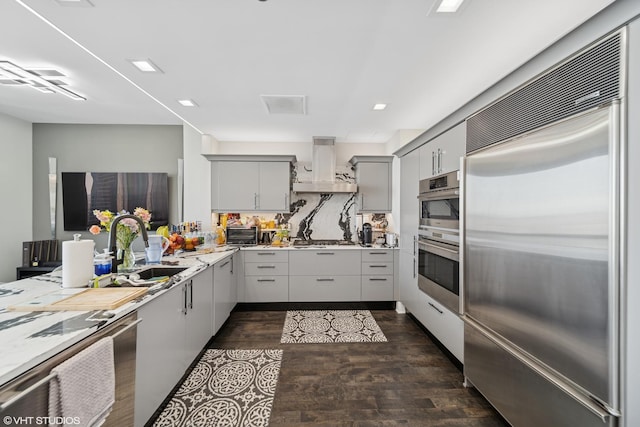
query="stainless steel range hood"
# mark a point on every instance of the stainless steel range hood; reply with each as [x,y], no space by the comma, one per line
[324,170]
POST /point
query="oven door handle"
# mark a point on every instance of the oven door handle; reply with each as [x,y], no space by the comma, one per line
[440,194]
[452,254]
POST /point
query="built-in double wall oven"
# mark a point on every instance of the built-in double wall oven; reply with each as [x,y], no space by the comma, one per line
[439,239]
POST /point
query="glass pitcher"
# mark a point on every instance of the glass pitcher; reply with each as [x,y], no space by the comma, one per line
[158,245]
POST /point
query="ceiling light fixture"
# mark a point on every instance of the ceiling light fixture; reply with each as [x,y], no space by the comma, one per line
[145,65]
[449,6]
[21,76]
[187,103]
[379,107]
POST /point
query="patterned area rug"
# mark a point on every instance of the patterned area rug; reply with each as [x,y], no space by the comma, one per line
[329,326]
[226,388]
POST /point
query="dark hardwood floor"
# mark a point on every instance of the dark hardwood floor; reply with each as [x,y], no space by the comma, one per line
[405,381]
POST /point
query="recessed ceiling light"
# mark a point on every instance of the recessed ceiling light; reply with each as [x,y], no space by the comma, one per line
[187,103]
[449,6]
[145,65]
[379,107]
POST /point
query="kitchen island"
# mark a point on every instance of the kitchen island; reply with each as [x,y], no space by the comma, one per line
[30,338]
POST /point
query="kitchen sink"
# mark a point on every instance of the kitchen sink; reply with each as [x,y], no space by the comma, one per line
[148,273]
[147,277]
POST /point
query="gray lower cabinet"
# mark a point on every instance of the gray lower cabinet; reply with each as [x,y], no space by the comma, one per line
[325,275]
[377,275]
[266,276]
[175,327]
[223,292]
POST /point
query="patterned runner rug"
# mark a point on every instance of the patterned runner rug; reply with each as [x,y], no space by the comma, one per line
[226,388]
[329,326]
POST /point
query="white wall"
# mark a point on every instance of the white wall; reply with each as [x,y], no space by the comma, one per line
[16,175]
[302,150]
[197,177]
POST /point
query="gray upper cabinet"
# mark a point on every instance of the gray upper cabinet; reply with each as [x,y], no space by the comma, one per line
[373,175]
[442,154]
[250,183]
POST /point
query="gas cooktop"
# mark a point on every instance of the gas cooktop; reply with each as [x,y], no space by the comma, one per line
[310,242]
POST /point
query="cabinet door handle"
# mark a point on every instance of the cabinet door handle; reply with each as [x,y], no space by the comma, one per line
[433,163]
[191,294]
[326,253]
[184,299]
[255,200]
[324,279]
[436,308]
[266,280]
[266,266]
[286,202]
[377,279]
[232,265]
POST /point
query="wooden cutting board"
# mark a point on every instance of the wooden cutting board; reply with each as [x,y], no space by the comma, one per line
[87,300]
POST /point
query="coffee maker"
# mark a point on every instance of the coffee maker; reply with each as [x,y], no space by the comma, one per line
[366,237]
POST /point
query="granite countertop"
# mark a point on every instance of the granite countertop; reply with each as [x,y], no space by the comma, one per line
[29,338]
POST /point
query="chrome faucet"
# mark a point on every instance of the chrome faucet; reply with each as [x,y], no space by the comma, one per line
[112,238]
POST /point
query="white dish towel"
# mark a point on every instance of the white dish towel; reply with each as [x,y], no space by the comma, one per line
[82,392]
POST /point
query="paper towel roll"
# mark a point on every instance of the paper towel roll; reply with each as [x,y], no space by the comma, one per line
[77,262]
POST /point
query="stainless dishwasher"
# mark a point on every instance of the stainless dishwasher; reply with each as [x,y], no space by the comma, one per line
[28,394]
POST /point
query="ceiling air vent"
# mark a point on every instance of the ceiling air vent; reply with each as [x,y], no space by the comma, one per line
[285,104]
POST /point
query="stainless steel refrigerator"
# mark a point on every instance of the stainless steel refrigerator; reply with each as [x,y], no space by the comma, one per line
[541,273]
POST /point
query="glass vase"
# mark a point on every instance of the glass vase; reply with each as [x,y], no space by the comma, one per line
[128,258]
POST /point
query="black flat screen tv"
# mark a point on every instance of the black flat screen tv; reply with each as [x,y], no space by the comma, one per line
[82,192]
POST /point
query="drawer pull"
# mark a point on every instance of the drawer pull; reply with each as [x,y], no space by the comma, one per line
[326,253]
[266,280]
[266,253]
[324,279]
[377,253]
[378,266]
[436,308]
[377,279]
[225,264]
[266,266]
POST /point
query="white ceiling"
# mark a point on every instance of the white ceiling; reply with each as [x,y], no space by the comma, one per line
[343,55]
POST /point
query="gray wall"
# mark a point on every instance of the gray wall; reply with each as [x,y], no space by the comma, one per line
[100,148]
[15,192]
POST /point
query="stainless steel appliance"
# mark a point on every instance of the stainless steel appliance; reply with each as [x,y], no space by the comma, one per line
[439,201]
[541,272]
[243,236]
[438,266]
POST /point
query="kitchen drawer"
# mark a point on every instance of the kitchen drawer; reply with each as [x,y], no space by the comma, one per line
[266,288]
[268,255]
[324,288]
[336,262]
[374,255]
[266,268]
[373,268]
[377,288]
[446,326]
